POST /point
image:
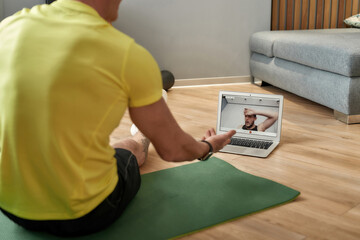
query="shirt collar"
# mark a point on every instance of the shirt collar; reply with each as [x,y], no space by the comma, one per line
[76,5]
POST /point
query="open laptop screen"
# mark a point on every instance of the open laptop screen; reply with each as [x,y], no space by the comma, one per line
[250,115]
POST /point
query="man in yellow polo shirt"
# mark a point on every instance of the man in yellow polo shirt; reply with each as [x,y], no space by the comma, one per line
[66,78]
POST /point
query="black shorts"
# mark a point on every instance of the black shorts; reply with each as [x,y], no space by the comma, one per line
[104,214]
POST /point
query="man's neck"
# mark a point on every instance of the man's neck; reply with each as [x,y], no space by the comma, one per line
[250,127]
[99,6]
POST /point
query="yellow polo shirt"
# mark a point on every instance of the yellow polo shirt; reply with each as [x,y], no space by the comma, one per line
[66,78]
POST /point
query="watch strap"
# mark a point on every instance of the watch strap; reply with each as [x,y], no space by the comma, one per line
[209,154]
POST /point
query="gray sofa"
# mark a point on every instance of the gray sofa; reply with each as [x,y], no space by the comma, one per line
[320,65]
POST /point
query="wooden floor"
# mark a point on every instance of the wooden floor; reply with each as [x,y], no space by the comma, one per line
[318,156]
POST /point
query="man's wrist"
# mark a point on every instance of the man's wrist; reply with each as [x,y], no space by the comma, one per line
[209,153]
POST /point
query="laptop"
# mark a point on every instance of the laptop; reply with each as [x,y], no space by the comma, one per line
[256,119]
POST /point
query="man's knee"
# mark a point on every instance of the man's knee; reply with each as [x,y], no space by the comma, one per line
[128,144]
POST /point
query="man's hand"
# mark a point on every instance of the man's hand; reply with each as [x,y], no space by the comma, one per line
[218,141]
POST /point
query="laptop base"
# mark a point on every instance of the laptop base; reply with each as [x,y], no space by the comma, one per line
[255,152]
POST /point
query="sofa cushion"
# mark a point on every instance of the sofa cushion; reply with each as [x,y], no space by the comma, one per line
[333,50]
[263,42]
[353,21]
[329,89]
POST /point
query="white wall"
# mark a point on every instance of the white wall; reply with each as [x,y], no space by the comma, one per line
[12,6]
[196,38]
[191,38]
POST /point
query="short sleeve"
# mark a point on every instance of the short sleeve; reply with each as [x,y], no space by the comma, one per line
[142,77]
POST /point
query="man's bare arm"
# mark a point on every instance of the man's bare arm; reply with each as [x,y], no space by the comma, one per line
[157,123]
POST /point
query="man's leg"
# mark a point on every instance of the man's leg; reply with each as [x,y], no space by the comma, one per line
[137,145]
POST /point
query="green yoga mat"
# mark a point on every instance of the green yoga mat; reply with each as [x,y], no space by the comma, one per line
[182,200]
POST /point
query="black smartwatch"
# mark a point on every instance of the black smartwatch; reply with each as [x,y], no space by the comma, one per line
[209,154]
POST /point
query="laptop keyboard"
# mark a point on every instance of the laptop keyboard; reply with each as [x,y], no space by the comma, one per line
[250,143]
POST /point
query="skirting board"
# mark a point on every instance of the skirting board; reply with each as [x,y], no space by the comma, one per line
[210,81]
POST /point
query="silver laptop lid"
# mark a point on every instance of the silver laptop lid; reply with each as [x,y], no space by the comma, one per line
[235,111]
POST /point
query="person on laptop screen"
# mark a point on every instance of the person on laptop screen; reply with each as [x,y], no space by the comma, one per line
[250,118]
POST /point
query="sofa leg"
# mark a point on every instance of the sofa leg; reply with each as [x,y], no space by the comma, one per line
[348,119]
[260,82]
